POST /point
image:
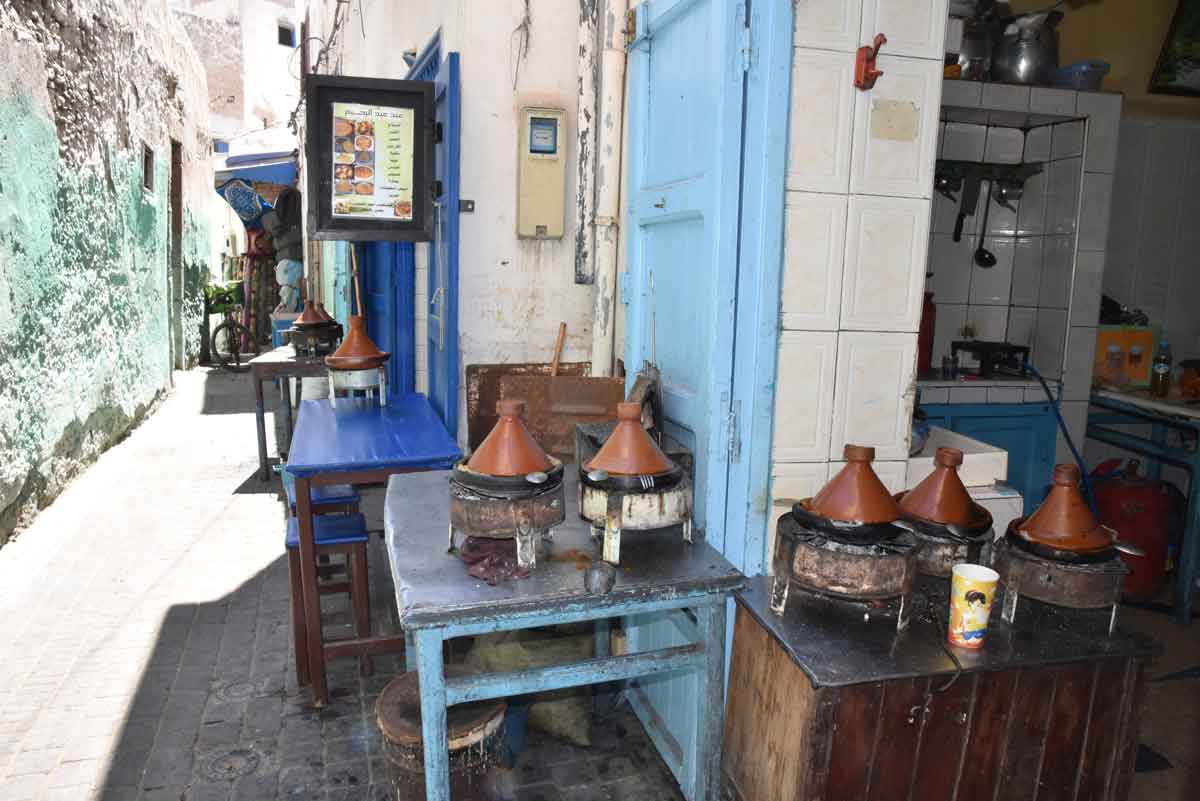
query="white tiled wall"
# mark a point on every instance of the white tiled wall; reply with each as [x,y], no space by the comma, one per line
[1059,263]
[1038,276]
[857,233]
[1153,237]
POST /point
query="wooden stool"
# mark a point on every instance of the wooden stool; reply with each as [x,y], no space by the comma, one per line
[334,534]
[475,732]
[326,498]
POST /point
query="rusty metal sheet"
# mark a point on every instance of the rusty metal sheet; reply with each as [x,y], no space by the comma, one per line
[483,390]
[555,404]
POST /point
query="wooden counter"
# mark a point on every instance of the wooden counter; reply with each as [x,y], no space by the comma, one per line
[827,706]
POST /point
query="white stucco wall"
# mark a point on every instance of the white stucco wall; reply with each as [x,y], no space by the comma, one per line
[270,72]
[513,293]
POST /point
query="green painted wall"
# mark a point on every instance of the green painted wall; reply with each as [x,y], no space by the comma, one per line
[84,341]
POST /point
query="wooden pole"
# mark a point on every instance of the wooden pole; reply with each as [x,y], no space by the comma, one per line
[354,273]
[558,346]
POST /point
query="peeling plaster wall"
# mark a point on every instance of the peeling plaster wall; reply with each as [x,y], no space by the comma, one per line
[512,292]
[85,268]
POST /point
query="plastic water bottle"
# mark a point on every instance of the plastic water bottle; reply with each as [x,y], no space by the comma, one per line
[1160,371]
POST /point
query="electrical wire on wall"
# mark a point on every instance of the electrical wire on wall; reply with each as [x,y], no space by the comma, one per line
[321,64]
[518,44]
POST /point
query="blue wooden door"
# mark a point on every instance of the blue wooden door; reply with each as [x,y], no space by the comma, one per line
[442,357]
[685,103]
[442,346]
[386,275]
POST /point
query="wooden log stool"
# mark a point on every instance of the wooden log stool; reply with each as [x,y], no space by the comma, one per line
[475,732]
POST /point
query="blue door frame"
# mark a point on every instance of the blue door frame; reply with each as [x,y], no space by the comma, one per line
[707,155]
[442,354]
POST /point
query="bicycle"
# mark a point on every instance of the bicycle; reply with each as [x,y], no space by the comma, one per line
[237,339]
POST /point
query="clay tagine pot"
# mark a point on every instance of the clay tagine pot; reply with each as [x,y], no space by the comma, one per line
[629,450]
[855,494]
[509,449]
[357,351]
[326,317]
[1063,521]
[309,318]
[942,498]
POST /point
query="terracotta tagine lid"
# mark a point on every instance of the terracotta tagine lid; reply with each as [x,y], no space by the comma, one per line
[357,351]
[629,450]
[310,317]
[326,317]
[941,496]
[1064,521]
[855,494]
[509,449]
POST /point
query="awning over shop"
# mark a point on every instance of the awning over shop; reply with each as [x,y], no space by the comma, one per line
[270,168]
[251,182]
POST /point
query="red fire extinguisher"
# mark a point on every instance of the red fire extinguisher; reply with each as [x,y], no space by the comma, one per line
[1144,513]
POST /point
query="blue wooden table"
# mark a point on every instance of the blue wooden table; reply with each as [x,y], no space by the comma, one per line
[1118,418]
[689,583]
[358,442]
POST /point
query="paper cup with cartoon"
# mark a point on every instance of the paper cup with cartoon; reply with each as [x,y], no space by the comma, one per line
[972,589]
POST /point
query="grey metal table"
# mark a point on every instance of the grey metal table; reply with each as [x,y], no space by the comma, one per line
[659,573]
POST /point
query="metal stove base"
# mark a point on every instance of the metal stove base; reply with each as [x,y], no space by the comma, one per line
[1071,586]
[527,519]
[782,589]
[612,513]
[372,382]
[527,543]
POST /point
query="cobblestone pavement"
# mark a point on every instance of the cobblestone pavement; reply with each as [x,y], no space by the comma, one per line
[145,643]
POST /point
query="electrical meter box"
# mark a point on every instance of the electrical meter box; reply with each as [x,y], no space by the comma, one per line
[541,174]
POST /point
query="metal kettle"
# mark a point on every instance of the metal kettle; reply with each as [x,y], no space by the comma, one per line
[1027,50]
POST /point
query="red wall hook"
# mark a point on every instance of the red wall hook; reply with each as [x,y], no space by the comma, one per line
[865,73]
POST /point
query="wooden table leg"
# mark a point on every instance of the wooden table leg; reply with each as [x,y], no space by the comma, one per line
[312,597]
[710,692]
[260,421]
[432,677]
[285,395]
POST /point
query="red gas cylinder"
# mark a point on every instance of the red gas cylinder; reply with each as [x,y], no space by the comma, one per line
[925,335]
[1146,514]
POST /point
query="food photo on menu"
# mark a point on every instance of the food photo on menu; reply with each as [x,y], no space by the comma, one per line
[372,161]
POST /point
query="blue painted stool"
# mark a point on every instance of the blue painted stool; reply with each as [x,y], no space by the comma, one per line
[334,534]
[326,498]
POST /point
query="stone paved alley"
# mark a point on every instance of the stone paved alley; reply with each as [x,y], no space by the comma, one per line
[145,642]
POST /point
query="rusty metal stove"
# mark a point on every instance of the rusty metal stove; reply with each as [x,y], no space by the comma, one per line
[525,508]
[615,504]
[870,566]
[1057,577]
[944,546]
[313,341]
[649,485]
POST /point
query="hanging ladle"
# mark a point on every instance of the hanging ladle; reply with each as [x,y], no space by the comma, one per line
[984,257]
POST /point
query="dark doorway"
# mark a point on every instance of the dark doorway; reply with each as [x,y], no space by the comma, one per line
[175,265]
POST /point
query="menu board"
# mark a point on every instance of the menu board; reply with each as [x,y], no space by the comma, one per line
[373,152]
[370,159]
